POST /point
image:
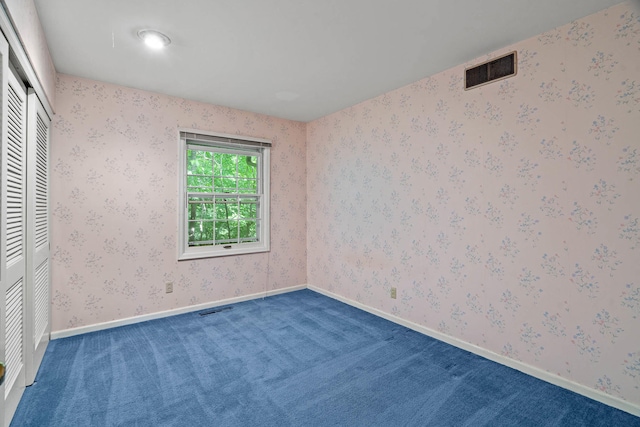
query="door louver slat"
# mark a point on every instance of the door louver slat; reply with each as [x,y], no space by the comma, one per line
[15,178]
[41,300]
[41,206]
[14,333]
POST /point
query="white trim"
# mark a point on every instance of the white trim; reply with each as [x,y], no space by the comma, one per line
[185,252]
[173,312]
[7,27]
[541,374]
[36,256]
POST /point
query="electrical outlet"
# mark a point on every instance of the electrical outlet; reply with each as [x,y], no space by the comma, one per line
[169,287]
[393,293]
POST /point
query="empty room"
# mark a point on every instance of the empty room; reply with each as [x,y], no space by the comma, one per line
[338,213]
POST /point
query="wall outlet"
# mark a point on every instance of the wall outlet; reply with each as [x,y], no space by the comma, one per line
[393,293]
[169,287]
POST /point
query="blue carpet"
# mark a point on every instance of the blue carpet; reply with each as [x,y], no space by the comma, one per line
[293,359]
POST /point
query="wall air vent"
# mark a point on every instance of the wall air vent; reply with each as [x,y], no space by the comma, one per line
[490,71]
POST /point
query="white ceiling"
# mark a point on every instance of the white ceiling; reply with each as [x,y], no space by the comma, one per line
[296,59]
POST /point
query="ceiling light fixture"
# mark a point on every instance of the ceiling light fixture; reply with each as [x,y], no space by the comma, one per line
[154,39]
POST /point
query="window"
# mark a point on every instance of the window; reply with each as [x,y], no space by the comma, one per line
[224,186]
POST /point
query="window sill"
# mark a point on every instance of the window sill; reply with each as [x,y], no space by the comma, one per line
[198,253]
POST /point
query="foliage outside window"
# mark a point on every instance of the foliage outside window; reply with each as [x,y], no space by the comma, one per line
[225,195]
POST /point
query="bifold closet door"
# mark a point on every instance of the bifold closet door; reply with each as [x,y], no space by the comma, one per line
[14,150]
[4,58]
[37,319]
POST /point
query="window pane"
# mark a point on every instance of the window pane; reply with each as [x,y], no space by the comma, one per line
[225,185]
[221,209]
[226,208]
[228,164]
[248,166]
[232,209]
[201,184]
[194,211]
[217,164]
[192,230]
[207,231]
[193,208]
[247,186]
[199,162]
[233,229]
[200,232]
[200,208]
[248,209]
[247,229]
[206,210]
[222,230]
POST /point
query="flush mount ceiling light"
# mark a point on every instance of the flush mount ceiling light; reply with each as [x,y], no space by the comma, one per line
[154,39]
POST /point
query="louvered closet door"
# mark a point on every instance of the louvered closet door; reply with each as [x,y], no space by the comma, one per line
[37,323]
[13,227]
[4,57]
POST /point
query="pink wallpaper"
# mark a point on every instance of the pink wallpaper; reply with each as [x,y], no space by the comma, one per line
[25,17]
[506,216]
[114,185]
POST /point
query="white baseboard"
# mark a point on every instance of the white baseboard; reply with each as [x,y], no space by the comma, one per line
[143,318]
[487,354]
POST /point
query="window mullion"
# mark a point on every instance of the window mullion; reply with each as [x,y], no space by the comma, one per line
[237,173]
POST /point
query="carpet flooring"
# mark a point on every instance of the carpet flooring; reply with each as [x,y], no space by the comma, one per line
[296,359]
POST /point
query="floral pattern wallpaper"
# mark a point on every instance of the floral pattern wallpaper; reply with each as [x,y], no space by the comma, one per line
[507,216]
[114,189]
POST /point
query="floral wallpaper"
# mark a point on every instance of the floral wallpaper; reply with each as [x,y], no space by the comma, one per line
[507,216]
[114,187]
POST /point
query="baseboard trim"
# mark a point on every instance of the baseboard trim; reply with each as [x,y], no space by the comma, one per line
[549,377]
[160,314]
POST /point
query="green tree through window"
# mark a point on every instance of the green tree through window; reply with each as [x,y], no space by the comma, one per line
[223,197]
[224,193]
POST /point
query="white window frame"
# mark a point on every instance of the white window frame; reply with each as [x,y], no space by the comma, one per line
[223,141]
